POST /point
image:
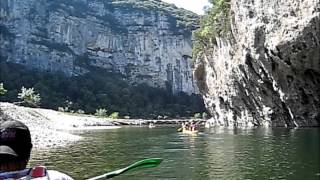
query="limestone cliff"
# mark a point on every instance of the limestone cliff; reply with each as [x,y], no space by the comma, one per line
[269,73]
[139,39]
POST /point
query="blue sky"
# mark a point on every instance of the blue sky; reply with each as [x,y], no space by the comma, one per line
[192,5]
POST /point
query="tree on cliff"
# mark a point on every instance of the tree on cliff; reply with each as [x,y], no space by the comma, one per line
[2,89]
[29,97]
[215,23]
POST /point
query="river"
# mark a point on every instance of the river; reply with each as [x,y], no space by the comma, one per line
[216,153]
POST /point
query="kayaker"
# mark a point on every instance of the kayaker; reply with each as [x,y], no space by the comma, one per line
[15,149]
[187,126]
[183,126]
[193,126]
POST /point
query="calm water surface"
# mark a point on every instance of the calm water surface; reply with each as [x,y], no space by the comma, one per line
[217,153]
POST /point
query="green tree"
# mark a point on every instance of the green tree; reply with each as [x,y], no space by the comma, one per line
[204,115]
[114,115]
[80,111]
[68,106]
[101,112]
[29,96]
[2,89]
[197,115]
[216,23]
[61,109]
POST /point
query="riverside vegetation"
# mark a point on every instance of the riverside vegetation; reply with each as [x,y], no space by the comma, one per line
[100,93]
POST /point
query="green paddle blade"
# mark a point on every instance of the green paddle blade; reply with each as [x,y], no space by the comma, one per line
[146,163]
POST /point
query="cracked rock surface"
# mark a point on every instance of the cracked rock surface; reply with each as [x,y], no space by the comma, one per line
[269,74]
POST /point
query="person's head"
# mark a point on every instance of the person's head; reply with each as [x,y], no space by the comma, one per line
[15,145]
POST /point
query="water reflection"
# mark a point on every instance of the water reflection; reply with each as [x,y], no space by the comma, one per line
[216,153]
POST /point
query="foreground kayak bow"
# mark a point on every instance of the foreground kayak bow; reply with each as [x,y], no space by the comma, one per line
[146,163]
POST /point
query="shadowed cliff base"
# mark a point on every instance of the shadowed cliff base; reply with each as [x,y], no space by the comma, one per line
[98,90]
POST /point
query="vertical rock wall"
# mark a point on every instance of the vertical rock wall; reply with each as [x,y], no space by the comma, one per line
[146,46]
[269,74]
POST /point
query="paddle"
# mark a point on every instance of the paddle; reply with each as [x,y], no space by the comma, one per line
[146,163]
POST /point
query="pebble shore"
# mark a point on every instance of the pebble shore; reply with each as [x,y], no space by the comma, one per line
[51,129]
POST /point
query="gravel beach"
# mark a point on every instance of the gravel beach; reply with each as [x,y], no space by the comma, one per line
[51,129]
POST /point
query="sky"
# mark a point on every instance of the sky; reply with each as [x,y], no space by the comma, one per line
[192,5]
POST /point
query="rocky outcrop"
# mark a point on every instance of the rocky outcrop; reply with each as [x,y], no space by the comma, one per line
[269,74]
[145,45]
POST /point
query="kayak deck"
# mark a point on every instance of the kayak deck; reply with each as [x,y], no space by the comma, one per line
[190,132]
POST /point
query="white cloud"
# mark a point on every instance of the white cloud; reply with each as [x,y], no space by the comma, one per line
[192,5]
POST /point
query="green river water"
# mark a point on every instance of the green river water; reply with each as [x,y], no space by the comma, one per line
[216,153]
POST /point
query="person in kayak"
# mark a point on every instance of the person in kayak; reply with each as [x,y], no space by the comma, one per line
[15,149]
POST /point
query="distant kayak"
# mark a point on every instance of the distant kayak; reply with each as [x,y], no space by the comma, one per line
[190,132]
[187,131]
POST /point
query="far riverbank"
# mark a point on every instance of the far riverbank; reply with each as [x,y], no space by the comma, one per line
[50,129]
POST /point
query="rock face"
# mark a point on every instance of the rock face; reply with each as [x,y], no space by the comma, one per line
[146,46]
[269,74]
